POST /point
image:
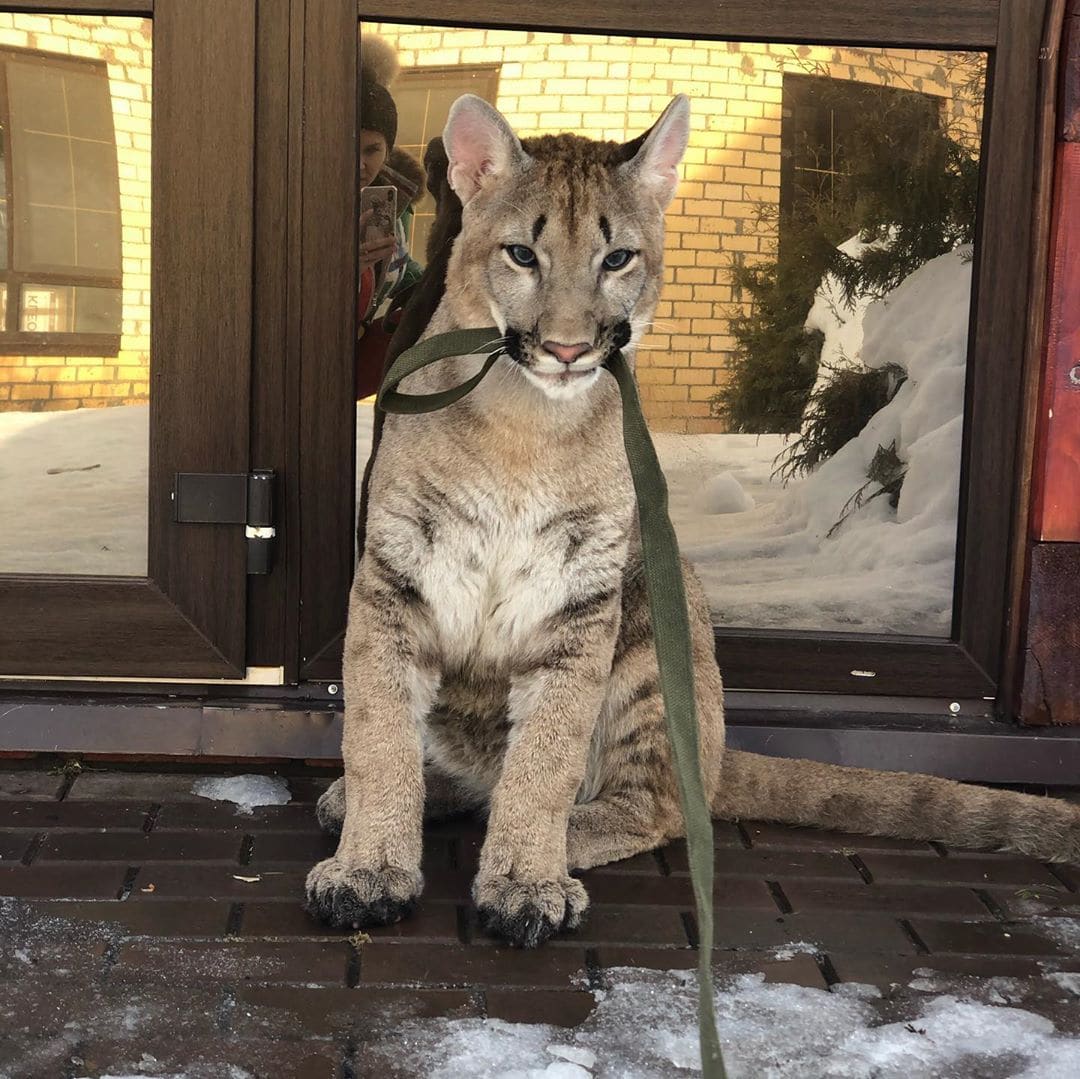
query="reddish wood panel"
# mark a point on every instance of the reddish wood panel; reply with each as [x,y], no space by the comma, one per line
[1051,688]
[1057,491]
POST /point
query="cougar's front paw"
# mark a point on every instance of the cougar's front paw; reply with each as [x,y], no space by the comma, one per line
[349,897]
[330,808]
[526,913]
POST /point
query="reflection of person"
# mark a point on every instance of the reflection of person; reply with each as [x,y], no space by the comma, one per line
[386,271]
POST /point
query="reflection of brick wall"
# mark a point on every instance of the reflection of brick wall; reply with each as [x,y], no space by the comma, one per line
[615,87]
[47,383]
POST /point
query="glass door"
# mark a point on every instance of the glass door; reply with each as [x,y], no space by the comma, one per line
[831,378]
[126,247]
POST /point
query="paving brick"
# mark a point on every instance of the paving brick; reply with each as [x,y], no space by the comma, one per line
[13,845]
[298,1013]
[611,924]
[773,864]
[984,938]
[208,814]
[234,961]
[26,786]
[117,786]
[565,1008]
[299,847]
[44,1006]
[675,891]
[886,970]
[971,870]
[796,970]
[306,790]
[138,848]
[1035,901]
[901,899]
[303,848]
[457,967]
[166,918]
[201,881]
[868,932]
[787,837]
[73,880]
[430,921]
[258,1059]
[97,815]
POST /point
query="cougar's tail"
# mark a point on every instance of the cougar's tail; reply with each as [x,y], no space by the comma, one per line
[899,804]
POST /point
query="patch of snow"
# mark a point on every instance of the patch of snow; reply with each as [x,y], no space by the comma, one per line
[796,947]
[575,1054]
[724,494]
[246,791]
[769,1031]
[840,323]
[1063,931]
[1067,979]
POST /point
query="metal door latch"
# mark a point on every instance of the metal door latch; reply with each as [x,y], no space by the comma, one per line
[231,498]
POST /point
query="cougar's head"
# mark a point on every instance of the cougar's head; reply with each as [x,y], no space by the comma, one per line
[562,237]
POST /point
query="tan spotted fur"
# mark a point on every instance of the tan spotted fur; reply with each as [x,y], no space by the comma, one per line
[499,654]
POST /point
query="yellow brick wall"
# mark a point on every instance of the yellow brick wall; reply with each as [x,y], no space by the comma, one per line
[614,88]
[48,383]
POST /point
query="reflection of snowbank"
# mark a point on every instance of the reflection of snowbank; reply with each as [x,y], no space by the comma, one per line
[73,491]
[840,323]
[884,569]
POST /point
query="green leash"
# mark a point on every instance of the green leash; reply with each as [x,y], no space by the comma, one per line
[667,605]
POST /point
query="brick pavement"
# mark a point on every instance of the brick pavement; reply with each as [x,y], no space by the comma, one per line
[148,920]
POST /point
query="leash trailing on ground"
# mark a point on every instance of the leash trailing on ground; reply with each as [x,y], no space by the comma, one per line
[667,605]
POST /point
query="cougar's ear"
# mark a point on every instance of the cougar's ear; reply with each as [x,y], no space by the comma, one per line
[656,163]
[479,143]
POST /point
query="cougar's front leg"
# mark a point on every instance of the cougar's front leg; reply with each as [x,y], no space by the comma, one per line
[374,878]
[523,891]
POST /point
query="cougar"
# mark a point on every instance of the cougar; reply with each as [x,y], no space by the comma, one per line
[499,654]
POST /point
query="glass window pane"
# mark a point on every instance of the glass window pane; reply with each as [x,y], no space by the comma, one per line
[804,371]
[63,152]
[75,254]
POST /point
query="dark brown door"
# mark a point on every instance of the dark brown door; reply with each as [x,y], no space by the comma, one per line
[128,299]
[965,76]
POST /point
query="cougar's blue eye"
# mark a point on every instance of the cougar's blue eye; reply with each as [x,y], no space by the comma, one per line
[522,255]
[618,259]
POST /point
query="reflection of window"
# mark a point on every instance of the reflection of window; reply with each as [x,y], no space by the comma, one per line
[60,257]
[820,116]
[423,96]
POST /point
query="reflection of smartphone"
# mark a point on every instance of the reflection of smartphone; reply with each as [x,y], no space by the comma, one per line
[382,201]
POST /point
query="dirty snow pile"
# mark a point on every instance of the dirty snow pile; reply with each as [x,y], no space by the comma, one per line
[645,1027]
[246,791]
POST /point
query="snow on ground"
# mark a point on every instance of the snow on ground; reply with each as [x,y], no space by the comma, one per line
[246,791]
[768,1030]
[73,486]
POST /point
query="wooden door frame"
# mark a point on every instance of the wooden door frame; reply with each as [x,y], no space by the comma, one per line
[186,618]
[967,665]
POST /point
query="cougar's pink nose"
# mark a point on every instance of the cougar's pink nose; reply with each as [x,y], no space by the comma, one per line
[566,353]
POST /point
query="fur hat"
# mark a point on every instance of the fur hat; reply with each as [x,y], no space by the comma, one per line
[378,69]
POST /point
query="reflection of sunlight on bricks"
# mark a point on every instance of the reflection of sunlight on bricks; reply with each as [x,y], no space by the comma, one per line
[104,316]
[614,88]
